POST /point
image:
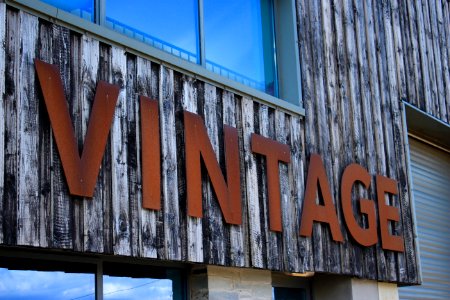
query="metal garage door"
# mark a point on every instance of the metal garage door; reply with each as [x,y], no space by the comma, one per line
[431,189]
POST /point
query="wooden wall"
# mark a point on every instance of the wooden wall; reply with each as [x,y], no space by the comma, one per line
[359,60]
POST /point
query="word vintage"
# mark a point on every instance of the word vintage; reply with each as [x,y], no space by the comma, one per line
[82,172]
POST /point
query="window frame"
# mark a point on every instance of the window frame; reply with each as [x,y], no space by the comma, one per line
[97,262]
[287,52]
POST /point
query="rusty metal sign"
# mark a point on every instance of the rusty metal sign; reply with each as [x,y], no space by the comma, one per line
[274,153]
[81,172]
[151,154]
[364,236]
[316,184]
[198,145]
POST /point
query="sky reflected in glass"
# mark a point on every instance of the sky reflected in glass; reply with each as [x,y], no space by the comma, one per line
[15,285]
[171,25]
[239,38]
[136,288]
[81,8]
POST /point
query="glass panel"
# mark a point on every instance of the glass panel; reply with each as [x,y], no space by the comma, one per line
[80,8]
[132,281]
[18,284]
[169,25]
[239,41]
[281,293]
[136,288]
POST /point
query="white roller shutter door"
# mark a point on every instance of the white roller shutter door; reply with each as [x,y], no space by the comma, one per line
[430,168]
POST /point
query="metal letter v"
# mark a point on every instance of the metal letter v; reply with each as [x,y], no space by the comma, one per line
[81,173]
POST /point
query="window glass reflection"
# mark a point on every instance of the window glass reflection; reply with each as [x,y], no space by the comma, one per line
[136,288]
[19,284]
[170,25]
[80,8]
[239,41]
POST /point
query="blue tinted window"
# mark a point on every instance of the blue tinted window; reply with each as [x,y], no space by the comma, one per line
[48,285]
[171,25]
[81,8]
[136,288]
[239,41]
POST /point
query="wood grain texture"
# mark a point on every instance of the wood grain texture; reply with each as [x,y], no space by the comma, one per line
[172,237]
[63,206]
[119,158]
[27,143]
[271,247]
[147,220]
[359,60]
[45,147]
[238,246]
[92,208]
[2,111]
[194,232]
[251,187]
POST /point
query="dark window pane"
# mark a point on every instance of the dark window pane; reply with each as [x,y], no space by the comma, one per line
[239,41]
[281,293]
[169,25]
[48,285]
[81,8]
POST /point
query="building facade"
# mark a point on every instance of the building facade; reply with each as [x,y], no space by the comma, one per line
[126,156]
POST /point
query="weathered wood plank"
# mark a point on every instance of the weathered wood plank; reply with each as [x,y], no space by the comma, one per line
[11,94]
[405,261]
[27,128]
[441,58]
[389,120]
[310,111]
[119,159]
[2,112]
[289,209]
[74,90]
[133,149]
[368,156]
[377,166]
[386,260]
[144,84]
[172,240]
[342,107]
[45,47]
[105,176]
[93,235]
[271,240]
[194,226]
[63,231]
[306,244]
[409,52]
[251,186]
[297,185]
[430,52]
[332,261]
[237,234]
[446,14]
[214,227]
[427,99]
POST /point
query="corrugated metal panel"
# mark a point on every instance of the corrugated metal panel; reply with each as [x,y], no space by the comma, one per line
[430,170]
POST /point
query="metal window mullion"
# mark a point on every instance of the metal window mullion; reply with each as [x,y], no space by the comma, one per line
[100,12]
[99,281]
[201,33]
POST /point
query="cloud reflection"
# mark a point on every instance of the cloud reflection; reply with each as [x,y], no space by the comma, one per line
[18,285]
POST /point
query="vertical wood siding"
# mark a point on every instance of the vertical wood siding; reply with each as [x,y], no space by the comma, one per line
[359,60]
